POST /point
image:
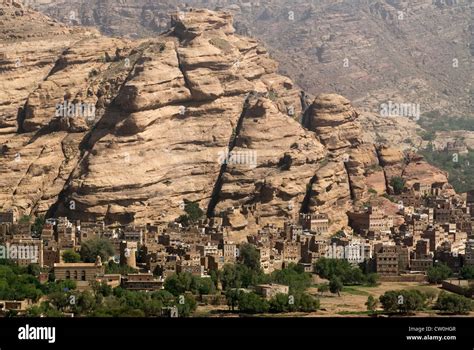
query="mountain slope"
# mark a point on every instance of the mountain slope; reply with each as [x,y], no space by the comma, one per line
[371,51]
[165,112]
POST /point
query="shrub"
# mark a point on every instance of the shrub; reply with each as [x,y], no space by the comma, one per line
[335,285]
[438,273]
[252,303]
[70,256]
[371,303]
[452,303]
[398,184]
[467,272]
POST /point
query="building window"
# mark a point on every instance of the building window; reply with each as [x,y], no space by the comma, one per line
[68,275]
[83,275]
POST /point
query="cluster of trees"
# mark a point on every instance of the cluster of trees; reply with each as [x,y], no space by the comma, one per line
[459,167]
[123,303]
[340,272]
[252,303]
[410,301]
[403,301]
[103,301]
[434,121]
[241,276]
[19,283]
[181,283]
[95,247]
[453,303]
[294,277]
[238,276]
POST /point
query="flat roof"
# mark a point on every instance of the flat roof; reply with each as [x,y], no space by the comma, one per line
[74,264]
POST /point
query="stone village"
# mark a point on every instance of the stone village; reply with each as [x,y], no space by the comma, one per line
[427,228]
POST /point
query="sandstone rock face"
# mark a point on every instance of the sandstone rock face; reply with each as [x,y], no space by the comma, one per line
[331,194]
[396,130]
[165,110]
[333,119]
[33,166]
[417,170]
[286,155]
[199,114]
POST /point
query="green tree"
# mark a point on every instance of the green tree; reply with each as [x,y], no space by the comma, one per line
[85,303]
[467,272]
[398,184]
[306,303]
[371,304]
[323,288]
[230,277]
[294,277]
[70,256]
[372,279]
[250,256]
[178,284]
[438,273]
[193,213]
[349,275]
[252,303]
[454,304]
[215,276]
[38,225]
[203,286]
[102,289]
[34,269]
[241,276]
[232,297]
[60,300]
[280,303]
[165,297]
[113,268]
[335,286]
[327,268]
[187,308]
[96,247]
[152,308]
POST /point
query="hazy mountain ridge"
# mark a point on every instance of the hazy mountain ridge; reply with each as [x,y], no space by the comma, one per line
[370,51]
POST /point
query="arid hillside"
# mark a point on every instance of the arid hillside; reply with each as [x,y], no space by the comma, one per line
[95,127]
[371,51]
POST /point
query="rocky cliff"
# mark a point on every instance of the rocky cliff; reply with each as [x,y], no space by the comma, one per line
[126,130]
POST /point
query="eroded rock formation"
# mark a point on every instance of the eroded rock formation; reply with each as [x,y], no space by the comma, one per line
[198,113]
